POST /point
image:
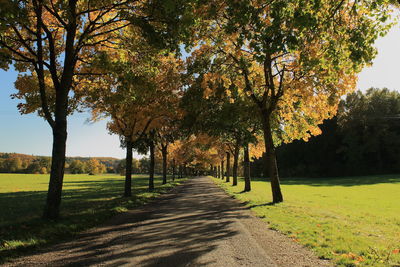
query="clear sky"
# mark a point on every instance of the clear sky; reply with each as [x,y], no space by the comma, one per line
[30,134]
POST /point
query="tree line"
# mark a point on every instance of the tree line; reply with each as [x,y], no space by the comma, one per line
[21,163]
[255,74]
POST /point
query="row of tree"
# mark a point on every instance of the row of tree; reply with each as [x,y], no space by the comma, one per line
[257,74]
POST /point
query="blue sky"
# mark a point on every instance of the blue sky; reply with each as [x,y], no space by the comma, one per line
[30,134]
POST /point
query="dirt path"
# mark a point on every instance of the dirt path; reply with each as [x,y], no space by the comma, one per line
[195,225]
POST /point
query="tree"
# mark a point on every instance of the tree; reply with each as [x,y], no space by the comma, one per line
[49,41]
[93,167]
[295,60]
[77,167]
[369,124]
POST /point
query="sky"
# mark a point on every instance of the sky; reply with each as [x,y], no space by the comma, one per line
[30,134]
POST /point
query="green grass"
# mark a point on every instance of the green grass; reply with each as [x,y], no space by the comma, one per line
[355,221]
[86,202]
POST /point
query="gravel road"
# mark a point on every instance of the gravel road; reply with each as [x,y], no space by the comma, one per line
[196,224]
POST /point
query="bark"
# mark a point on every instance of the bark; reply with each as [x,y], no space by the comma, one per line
[222,169]
[164,153]
[236,163]
[219,171]
[128,169]
[246,169]
[173,170]
[270,161]
[228,167]
[152,164]
[53,201]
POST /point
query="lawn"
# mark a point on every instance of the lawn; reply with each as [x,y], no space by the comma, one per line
[87,201]
[354,220]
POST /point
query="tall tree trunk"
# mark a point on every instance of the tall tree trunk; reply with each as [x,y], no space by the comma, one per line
[246,169]
[222,169]
[128,169]
[228,167]
[53,201]
[236,163]
[219,171]
[173,170]
[271,161]
[152,164]
[164,153]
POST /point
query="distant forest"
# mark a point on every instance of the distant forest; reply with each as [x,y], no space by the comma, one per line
[21,163]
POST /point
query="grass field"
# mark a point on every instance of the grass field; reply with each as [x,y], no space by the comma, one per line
[355,221]
[87,201]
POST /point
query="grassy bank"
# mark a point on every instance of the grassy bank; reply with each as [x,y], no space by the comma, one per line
[87,201]
[355,221]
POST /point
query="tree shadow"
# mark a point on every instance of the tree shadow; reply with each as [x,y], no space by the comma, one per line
[262,205]
[84,204]
[338,181]
[177,229]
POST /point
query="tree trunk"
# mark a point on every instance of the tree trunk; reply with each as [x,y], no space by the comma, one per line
[236,163]
[222,169]
[173,170]
[53,201]
[164,153]
[219,171]
[271,161]
[128,169]
[246,169]
[228,167]
[152,164]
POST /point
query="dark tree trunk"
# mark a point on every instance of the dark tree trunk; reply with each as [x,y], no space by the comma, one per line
[236,163]
[173,170]
[271,161]
[222,169]
[62,86]
[53,201]
[228,167]
[219,171]
[246,169]
[152,164]
[128,169]
[164,153]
